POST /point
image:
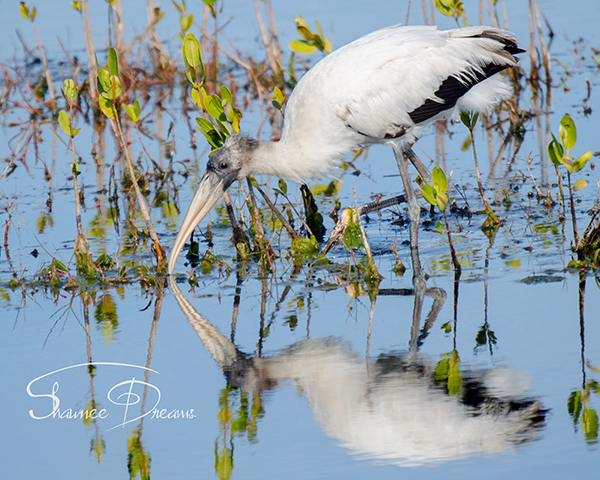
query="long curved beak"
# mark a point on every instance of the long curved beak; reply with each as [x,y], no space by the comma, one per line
[209,191]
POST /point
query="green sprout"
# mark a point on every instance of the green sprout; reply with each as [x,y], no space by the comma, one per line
[77,6]
[559,154]
[185,20]
[110,89]
[452,8]
[436,194]
[312,41]
[221,118]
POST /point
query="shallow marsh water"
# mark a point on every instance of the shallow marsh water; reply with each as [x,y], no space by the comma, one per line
[300,373]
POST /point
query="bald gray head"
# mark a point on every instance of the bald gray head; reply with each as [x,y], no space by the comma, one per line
[233,160]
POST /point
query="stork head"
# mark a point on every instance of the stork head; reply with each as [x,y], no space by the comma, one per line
[227,164]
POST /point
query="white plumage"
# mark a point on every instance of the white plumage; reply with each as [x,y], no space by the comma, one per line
[382,88]
[371,85]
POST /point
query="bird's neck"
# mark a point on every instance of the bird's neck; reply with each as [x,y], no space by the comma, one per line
[298,162]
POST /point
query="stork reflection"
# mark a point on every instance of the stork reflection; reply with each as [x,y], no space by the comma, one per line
[392,408]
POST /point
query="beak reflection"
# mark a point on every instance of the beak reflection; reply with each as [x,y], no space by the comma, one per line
[209,191]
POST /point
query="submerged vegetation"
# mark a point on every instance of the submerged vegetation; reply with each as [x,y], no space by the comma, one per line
[143,103]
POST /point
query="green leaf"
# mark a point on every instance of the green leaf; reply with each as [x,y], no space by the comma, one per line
[278,96]
[442,200]
[235,121]
[465,117]
[226,95]
[223,457]
[445,7]
[214,108]
[75,168]
[581,161]
[353,238]
[191,50]
[65,122]
[210,133]
[579,184]
[448,369]
[301,23]
[186,22]
[302,47]
[574,405]
[106,106]
[102,80]
[319,29]
[204,124]
[589,423]
[70,89]
[133,111]
[177,7]
[442,369]
[113,89]
[567,132]
[440,182]
[469,119]
[555,151]
[24,11]
[77,6]
[282,186]
[33,13]
[113,63]
[303,28]
[429,194]
[197,98]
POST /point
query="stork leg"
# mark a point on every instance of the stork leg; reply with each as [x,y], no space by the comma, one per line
[414,214]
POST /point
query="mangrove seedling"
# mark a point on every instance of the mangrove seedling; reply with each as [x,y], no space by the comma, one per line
[558,151]
[452,8]
[109,87]
[311,41]
[81,247]
[436,194]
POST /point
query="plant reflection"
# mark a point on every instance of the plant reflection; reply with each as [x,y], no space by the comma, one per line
[579,403]
[401,407]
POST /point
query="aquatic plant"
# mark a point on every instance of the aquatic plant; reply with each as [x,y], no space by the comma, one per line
[558,152]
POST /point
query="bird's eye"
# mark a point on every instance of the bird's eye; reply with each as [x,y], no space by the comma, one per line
[223,166]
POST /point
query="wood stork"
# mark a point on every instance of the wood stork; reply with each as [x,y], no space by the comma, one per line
[382,88]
